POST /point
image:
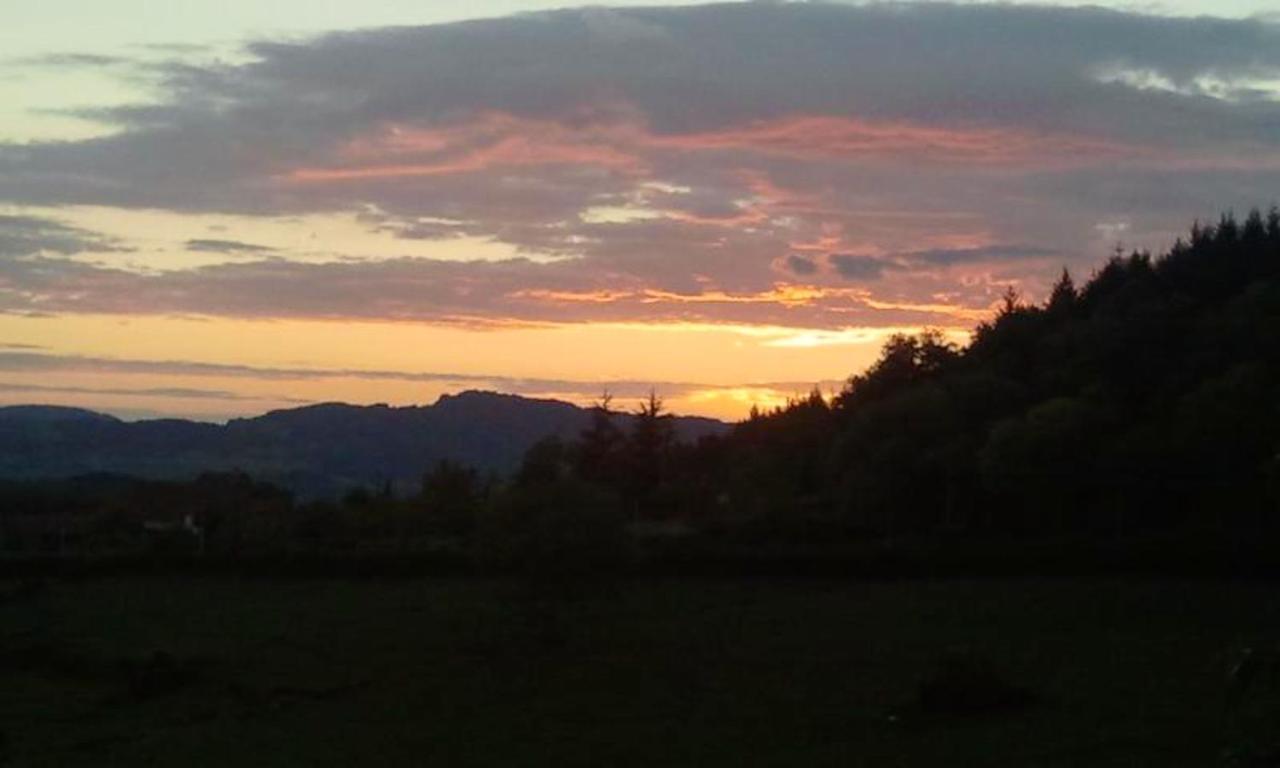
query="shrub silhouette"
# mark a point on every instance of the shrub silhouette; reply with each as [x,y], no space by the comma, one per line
[550,525]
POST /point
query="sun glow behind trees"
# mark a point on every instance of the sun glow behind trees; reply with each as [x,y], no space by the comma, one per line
[548,203]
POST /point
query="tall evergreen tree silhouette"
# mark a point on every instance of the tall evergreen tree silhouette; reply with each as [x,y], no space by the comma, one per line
[600,446]
[649,449]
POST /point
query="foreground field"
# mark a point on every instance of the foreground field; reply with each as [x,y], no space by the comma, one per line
[463,673]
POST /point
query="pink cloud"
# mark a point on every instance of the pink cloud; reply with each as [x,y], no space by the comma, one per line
[836,137]
[492,140]
[623,143]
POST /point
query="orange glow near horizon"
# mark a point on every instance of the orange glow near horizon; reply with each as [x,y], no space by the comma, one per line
[729,204]
[257,365]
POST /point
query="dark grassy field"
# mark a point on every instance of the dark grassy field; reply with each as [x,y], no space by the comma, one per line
[191,672]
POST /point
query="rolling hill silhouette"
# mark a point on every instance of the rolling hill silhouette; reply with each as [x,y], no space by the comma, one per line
[315,451]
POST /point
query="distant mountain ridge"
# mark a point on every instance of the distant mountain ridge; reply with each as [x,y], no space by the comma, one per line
[315,451]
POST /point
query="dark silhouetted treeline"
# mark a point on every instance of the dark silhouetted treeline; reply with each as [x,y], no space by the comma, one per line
[1146,402]
[1137,412]
[1135,416]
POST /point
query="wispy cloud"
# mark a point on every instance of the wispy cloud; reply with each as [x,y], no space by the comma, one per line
[666,164]
[227,246]
[855,267]
[181,393]
[34,235]
[69,60]
[14,362]
[514,293]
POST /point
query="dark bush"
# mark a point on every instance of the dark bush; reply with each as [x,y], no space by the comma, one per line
[553,529]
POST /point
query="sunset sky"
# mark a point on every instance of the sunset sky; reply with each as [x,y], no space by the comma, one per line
[212,209]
